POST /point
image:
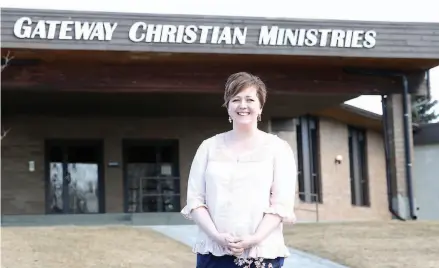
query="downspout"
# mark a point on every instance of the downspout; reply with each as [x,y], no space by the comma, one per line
[406,126]
[387,159]
[408,152]
[427,74]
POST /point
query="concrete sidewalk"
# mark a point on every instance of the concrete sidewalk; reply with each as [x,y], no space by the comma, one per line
[187,234]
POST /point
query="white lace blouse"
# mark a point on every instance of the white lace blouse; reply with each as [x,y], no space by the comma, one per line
[238,192]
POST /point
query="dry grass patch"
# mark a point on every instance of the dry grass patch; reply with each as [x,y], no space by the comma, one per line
[82,247]
[370,244]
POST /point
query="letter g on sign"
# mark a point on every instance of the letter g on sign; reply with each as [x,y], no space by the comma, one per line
[23,28]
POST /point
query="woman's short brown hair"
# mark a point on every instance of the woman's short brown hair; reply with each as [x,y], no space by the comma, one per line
[242,80]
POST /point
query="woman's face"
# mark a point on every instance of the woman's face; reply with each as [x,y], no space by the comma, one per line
[245,107]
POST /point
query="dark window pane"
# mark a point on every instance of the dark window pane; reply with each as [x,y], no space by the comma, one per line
[300,162]
[82,154]
[55,154]
[141,154]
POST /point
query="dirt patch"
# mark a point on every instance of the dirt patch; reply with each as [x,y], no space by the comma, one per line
[370,245]
[83,247]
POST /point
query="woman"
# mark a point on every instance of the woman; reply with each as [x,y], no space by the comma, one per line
[241,186]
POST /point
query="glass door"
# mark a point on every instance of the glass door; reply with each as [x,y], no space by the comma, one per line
[152,181]
[74,177]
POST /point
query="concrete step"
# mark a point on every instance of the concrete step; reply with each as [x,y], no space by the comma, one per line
[140,219]
[54,220]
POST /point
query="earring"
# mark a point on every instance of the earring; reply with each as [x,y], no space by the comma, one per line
[259,117]
[230,119]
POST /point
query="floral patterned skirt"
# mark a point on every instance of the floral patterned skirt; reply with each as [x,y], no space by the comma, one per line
[227,261]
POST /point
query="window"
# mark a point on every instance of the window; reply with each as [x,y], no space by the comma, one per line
[358,167]
[308,159]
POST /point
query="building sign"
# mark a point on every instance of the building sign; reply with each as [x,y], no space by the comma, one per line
[142,32]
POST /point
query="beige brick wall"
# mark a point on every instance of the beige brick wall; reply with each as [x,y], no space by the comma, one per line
[23,192]
[336,193]
[397,140]
[397,152]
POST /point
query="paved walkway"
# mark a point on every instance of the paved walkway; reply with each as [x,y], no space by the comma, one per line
[187,234]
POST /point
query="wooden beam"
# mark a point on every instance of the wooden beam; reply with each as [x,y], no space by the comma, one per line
[186,77]
[189,77]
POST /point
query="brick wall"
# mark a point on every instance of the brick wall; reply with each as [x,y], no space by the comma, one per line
[23,192]
[395,112]
[336,191]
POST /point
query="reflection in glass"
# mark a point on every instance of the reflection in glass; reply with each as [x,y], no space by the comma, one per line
[82,185]
[134,172]
[161,203]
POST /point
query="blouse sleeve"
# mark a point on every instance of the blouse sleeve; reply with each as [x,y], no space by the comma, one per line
[196,188]
[283,190]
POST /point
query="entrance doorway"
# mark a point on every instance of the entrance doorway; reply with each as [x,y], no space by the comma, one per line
[151,176]
[74,177]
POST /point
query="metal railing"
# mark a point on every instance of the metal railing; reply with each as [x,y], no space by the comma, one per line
[159,194]
[316,203]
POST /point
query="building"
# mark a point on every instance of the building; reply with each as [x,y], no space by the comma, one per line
[348,166]
[100,105]
[426,170]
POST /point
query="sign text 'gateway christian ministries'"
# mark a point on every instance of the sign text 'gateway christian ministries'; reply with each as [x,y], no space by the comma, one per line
[25,28]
